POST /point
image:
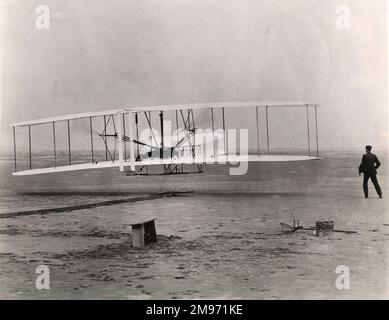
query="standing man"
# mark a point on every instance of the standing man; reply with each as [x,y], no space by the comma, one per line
[369,166]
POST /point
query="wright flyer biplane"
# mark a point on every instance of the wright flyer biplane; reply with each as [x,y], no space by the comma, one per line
[168,136]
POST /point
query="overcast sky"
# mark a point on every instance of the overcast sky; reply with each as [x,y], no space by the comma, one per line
[104,54]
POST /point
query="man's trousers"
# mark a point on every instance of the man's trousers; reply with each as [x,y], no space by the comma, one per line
[373,178]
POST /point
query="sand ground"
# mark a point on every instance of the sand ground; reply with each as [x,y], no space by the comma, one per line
[221,240]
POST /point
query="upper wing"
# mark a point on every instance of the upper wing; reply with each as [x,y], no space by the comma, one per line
[244,104]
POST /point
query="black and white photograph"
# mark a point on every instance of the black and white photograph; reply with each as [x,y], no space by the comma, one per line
[194,150]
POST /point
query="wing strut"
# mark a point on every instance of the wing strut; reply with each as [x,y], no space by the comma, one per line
[131,134]
[267,131]
[177,125]
[309,140]
[91,138]
[105,141]
[317,134]
[194,135]
[14,146]
[120,138]
[70,152]
[137,133]
[162,142]
[213,134]
[257,118]
[29,144]
[224,133]
[124,137]
[55,147]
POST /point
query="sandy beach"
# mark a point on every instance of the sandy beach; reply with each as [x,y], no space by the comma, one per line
[218,236]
